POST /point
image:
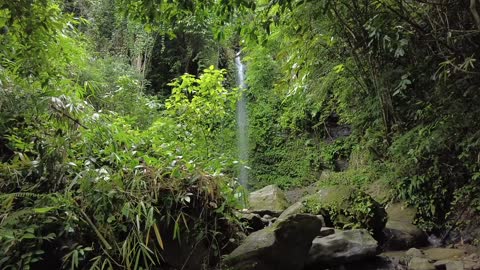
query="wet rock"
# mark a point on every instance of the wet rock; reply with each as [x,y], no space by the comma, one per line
[400,232]
[269,200]
[342,247]
[283,246]
[397,257]
[420,264]
[437,254]
[413,252]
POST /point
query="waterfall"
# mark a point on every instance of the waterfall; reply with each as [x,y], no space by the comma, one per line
[242,123]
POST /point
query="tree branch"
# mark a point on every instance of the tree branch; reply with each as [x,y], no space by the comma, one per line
[69,117]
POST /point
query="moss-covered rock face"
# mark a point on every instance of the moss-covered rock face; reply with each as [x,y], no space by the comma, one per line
[270,200]
[347,207]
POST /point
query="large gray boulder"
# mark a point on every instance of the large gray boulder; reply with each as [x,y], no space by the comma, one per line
[342,247]
[400,232]
[283,246]
[268,200]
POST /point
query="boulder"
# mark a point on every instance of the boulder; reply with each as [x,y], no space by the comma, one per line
[413,252]
[345,206]
[417,263]
[437,254]
[268,200]
[283,246]
[293,209]
[400,232]
[449,265]
[380,191]
[342,247]
[455,265]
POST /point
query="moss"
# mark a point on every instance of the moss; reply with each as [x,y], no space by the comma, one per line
[347,207]
[359,177]
[286,162]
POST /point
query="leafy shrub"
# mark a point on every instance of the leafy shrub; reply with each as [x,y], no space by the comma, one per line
[346,207]
[93,174]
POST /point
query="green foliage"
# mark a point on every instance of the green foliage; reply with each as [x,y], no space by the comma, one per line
[346,208]
[203,109]
[94,174]
[360,178]
[278,156]
[392,71]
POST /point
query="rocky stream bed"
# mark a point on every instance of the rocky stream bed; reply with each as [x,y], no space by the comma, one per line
[301,235]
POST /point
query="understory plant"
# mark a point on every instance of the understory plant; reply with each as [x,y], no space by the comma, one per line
[94,174]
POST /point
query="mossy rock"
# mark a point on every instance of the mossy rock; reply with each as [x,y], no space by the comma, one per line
[347,207]
[268,200]
[282,246]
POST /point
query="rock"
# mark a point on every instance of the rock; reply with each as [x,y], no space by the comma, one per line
[344,206]
[441,265]
[455,265]
[472,257]
[267,217]
[342,247]
[326,232]
[413,252]
[283,246]
[400,233]
[471,265]
[295,208]
[437,254]
[449,265]
[295,194]
[420,264]
[253,221]
[322,219]
[269,200]
[380,191]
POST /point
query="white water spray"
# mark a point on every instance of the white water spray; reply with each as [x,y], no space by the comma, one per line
[242,123]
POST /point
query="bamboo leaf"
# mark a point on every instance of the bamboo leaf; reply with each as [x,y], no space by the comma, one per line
[158,236]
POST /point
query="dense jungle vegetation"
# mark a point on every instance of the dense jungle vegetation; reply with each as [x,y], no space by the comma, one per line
[118,127]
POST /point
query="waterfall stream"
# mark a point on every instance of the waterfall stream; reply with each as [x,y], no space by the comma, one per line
[242,123]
